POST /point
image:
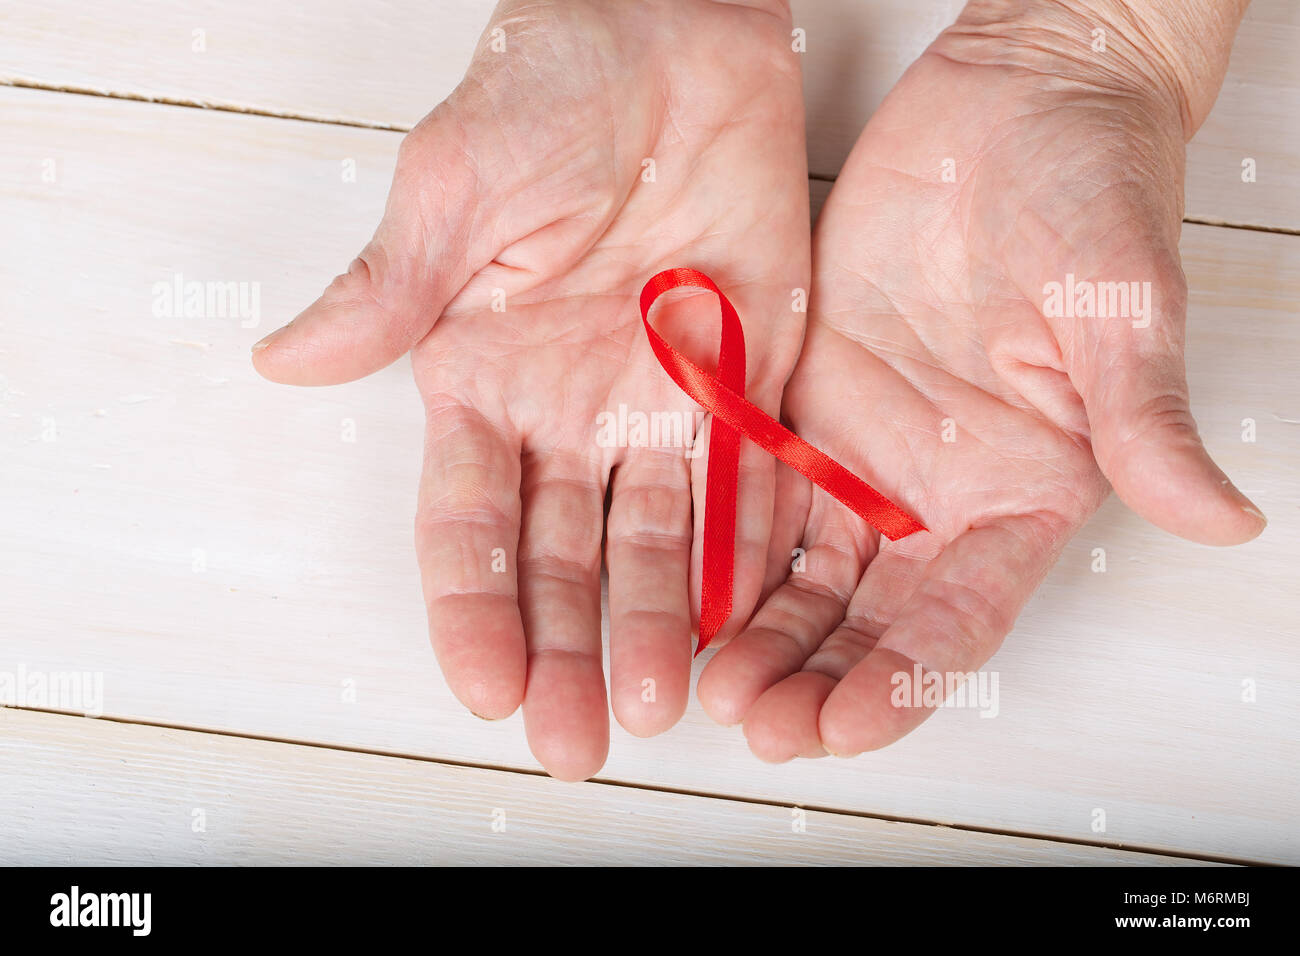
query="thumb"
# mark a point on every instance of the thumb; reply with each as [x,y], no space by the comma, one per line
[422,254]
[1143,434]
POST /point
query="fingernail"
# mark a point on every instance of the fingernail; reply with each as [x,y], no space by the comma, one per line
[1256,512]
[481,717]
[1243,502]
[258,346]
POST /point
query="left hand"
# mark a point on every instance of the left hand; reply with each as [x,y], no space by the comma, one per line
[600,143]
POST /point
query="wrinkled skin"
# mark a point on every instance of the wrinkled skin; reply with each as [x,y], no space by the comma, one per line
[925,322]
[925,317]
[530,180]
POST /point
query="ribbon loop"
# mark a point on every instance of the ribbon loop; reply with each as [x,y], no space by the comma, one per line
[722,395]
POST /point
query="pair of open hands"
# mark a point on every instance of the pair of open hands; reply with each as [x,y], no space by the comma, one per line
[924,324]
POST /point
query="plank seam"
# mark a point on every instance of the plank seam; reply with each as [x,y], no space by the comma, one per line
[21,84]
[217,107]
[680,791]
[1248,227]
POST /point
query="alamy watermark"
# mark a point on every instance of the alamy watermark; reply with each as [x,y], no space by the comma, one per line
[1083,299]
[634,429]
[74,908]
[182,298]
[73,691]
[977,690]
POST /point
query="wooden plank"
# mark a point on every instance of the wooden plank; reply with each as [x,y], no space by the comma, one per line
[213,547]
[382,63]
[88,792]
[387,63]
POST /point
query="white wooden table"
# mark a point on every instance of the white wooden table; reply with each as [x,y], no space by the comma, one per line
[242,579]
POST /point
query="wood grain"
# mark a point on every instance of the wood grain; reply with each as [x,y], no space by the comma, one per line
[214,547]
[387,62]
[87,793]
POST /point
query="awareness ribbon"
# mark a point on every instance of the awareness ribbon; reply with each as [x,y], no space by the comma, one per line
[733,416]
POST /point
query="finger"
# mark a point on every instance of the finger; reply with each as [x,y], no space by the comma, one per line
[963,606]
[793,494]
[1143,433]
[648,554]
[430,242]
[790,625]
[467,535]
[782,723]
[566,716]
[502,186]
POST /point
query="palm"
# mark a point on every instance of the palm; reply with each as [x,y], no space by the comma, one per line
[930,368]
[602,144]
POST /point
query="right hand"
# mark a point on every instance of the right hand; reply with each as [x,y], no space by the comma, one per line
[931,370]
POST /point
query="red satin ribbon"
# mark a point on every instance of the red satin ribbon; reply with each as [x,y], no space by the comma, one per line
[733,415]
